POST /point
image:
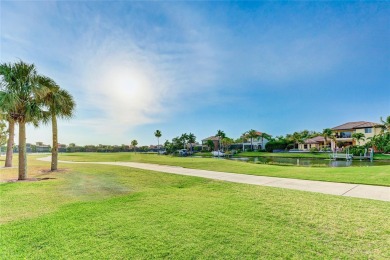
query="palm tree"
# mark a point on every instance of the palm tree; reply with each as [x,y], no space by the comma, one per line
[21,96]
[8,97]
[243,137]
[3,133]
[264,136]
[333,137]
[226,142]
[61,104]
[134,143]
[385,124]
[327,133]
[10,142]
[158,135]
[191,139]
[184,139]
[221,134]
[358,137]
[297,138]
[252,134]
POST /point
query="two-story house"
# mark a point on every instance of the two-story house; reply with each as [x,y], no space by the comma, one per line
[214,139]
[345,131]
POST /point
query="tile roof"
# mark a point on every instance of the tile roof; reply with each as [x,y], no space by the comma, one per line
[212,138]
[315,140]
[354,125]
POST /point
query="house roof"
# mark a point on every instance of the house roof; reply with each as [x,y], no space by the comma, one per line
[212,138]
[315,140]
[355,125]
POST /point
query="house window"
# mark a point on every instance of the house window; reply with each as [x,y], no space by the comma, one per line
[345,135]
[305,146]
[368,130]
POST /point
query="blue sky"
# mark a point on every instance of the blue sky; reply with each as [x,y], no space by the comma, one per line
[134,67]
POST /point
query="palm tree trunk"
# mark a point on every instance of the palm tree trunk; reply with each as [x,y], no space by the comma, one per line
[54,149]
[22,152]
[10,143]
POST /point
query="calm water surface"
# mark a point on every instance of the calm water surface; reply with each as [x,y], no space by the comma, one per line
[308,162]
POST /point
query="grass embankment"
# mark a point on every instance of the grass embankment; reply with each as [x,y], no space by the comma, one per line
[376,175]
[377,156]
[118,212]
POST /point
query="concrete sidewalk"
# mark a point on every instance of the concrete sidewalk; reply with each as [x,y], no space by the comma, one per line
[333,188]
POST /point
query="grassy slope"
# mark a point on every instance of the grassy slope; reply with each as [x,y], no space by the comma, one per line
[117,212]
[378,175]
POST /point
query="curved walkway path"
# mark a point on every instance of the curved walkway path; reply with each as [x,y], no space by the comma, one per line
[333,188]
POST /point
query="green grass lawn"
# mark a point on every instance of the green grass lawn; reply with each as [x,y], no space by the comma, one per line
[377,175]
[95,212]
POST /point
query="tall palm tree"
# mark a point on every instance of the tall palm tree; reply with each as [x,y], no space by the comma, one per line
[158,135]
[8,97]
[191,139]
[221,134]
[21,96]
[61,105]
[327,133]
[134,143]
[358,137]
[252,134]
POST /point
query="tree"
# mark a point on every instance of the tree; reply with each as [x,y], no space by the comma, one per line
[184,139]
[380,142]
[61,105]
[134,143]
[385,124]
[226,142]
[7,98]
[243,137]
[210,144]
[168,146]
[264,136]
[21,96]
[221,134]
[327,133]
[3,133]
[158,135]
[252,134]
[358,137]
[296,138]
[191,139]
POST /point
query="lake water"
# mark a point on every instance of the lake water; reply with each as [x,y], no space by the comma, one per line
[308,162]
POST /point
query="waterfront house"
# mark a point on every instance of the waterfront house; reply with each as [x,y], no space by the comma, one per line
[317,142]
[345,131]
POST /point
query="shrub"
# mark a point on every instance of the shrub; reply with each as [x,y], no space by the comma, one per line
[357,150]
[277,145]
[386,149]
[313,149]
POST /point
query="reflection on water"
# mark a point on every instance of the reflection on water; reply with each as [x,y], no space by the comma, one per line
[308,162]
